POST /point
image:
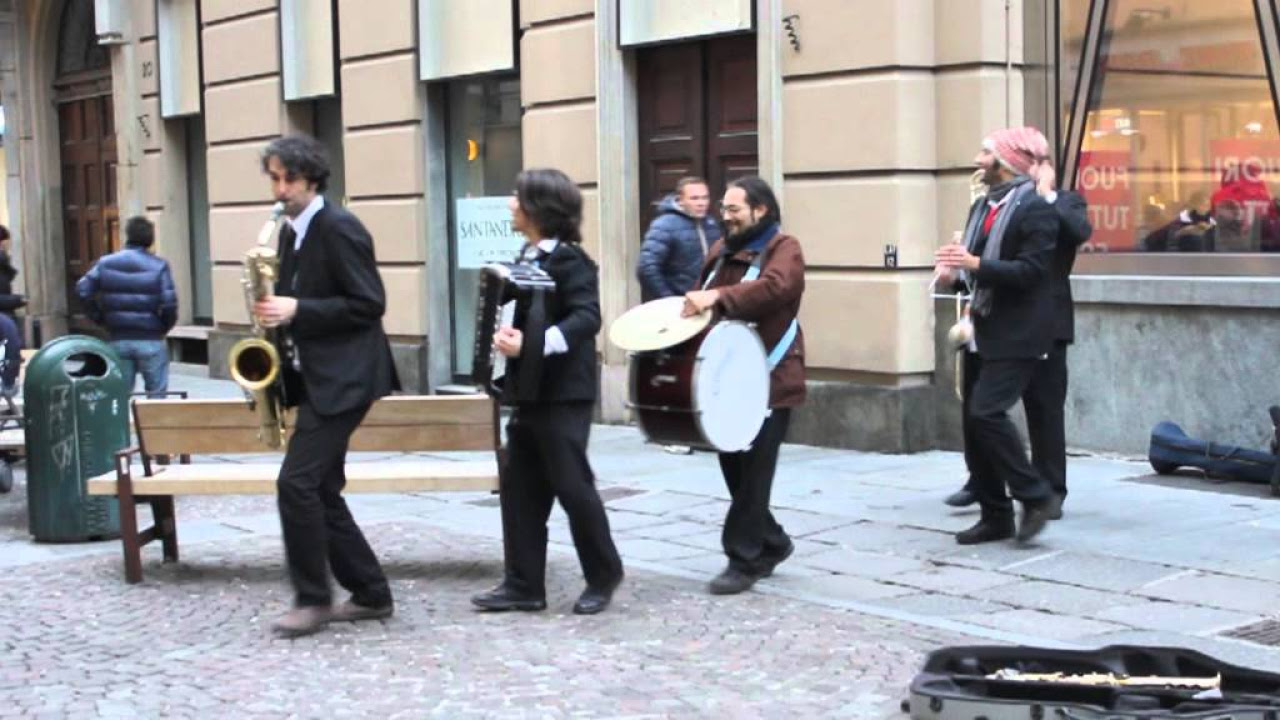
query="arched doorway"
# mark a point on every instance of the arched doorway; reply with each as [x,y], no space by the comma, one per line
[87,146]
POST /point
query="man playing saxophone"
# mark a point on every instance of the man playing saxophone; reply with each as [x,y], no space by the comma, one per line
[328,306]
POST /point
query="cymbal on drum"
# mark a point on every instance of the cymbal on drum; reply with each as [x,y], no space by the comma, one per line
[656,325]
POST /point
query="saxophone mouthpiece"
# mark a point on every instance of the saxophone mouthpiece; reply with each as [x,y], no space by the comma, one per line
[277,210]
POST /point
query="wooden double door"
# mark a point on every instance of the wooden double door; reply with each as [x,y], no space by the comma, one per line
[697,115]
[90,213]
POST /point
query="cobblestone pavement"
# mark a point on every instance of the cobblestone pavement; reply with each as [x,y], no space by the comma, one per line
[876,581]
[192,641]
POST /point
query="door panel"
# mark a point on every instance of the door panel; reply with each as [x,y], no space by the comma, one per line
[697,115]
[672,120]
[88,159]
[733,116]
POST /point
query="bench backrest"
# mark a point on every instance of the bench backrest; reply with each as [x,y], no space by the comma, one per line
[405,423]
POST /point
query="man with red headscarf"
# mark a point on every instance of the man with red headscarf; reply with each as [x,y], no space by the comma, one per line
[1046,396]
[1004,262]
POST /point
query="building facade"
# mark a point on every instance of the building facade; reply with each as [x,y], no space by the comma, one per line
[865,114]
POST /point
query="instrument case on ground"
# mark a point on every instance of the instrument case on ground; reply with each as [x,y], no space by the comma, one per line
[953,685]
[1171,449]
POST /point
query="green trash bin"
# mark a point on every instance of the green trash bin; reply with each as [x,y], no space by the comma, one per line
[77,418]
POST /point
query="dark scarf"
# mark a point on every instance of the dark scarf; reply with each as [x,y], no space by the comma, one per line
[756,239]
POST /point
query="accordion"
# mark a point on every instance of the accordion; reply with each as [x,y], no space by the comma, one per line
[508,290]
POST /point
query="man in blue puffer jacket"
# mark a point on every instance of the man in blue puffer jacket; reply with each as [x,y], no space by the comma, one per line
[131,294]
[677,241]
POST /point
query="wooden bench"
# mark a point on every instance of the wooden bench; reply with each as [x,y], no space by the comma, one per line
[182,428]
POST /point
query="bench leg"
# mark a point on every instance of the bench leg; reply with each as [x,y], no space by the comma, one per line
[128,523]
[129,538]
[162,508]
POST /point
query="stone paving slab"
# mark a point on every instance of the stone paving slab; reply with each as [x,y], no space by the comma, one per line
[939,605]
[953,580]
[1220,591]
[191,641]
[1052,626]
[1095,571]
[1053,597]
[861,563]
[1174,617]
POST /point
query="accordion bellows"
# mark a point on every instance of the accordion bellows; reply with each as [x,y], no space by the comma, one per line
[509,291]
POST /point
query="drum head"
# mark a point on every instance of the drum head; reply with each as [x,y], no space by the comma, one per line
[656,325]
[731,386]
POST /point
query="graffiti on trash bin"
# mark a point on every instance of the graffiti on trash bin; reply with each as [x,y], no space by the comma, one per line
[91,399]
[60,426]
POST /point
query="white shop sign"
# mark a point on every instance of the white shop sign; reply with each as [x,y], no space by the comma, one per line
[483,229]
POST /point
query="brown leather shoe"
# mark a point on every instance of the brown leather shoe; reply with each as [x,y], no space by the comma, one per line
[303,620]
[350,611]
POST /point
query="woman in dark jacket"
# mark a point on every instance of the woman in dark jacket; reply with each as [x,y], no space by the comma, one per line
[548,431]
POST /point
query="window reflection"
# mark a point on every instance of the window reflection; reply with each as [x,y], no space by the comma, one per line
[484,157]
[1181,149]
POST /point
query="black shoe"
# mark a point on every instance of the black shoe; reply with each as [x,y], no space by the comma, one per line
[986,531]
[1054,507]
[732,581]
[595,600]
[504,599]
[1034,517]
[964,497]
[773,561]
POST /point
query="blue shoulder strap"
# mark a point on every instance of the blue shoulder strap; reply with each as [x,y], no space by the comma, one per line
[779,351]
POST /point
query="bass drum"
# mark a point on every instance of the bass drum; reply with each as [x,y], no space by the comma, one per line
[709,392]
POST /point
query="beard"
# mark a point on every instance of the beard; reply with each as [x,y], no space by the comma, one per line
[738,231]
[991,175]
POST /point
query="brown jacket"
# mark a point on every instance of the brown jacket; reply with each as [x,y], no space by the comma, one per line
[771,301]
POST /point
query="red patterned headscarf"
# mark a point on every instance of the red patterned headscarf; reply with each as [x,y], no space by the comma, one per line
[1018,149]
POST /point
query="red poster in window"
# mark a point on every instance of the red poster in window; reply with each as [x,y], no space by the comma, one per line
[1244,167]
[1106,183]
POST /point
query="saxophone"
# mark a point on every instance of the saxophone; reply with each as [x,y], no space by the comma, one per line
[254,362]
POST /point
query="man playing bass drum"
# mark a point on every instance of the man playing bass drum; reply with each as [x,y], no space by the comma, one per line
[756,274]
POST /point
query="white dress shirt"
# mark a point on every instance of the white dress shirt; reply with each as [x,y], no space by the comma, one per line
[303,221]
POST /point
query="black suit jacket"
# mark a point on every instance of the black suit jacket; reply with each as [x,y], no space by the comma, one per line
[344,355]
[575,309]
[1020,324]
[1074,230]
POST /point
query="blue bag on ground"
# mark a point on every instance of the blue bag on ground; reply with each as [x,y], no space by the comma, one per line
[1171,449]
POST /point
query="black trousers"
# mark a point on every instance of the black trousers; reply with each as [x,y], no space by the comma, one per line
[547,461]
[992,443]
[751,535]
[1044,402]
[319,532]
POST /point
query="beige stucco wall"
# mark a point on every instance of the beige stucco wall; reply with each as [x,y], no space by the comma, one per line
[877,142]
[383,149]
[875,136]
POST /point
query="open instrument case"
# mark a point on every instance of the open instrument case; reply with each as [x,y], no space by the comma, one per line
[1118,682]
